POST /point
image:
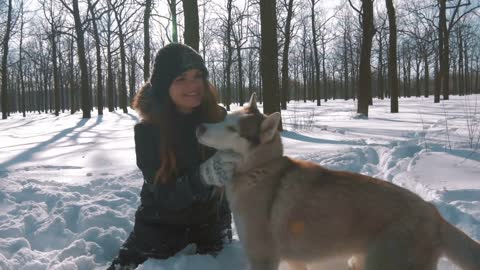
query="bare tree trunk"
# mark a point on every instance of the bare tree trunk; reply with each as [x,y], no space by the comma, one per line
[443,49]
[6,38]
[454,79]
[229,56]
[461,74]
[146,39]
[269,57]
[56,79]
[304,65]
[418,63]
[365,73]
[315,51]
[123,59]
[437,84]
[380,66]
[324,71]
[90,72]
[82,60]
[173,10]
[98,51]
[427,75]
[251,73]
[110,78]
[63,85]
[477,77]
[20,61]
[54,20]
[73,105]
[44,79]
[191,34]
[392,57]
[241,95]
[345,66]
[286,48]
[408,74]
[132,74]
[312,94]
[354,63]
[38,92]
[467,79]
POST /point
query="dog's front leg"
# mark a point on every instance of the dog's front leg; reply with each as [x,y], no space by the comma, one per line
[264,264]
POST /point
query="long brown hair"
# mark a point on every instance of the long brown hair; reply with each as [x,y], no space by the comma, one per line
[207,112]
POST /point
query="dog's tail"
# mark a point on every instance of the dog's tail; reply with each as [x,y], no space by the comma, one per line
[459,247]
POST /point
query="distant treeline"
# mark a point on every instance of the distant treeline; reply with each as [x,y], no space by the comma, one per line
[71,55]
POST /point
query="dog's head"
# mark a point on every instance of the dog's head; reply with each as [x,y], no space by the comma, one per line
[241,131]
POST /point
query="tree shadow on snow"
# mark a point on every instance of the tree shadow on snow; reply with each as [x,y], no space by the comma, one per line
[29,153]
[300,137]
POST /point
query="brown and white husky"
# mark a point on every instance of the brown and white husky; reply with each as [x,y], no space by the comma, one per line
[297,211]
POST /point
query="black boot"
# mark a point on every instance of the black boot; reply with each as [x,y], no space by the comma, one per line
[129,256]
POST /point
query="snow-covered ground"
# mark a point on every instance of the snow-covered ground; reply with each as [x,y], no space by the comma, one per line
[69,186]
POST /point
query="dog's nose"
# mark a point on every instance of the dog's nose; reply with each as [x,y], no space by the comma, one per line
[201,129]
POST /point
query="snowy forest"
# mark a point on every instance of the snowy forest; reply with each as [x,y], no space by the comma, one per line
[388,89]
[70,55]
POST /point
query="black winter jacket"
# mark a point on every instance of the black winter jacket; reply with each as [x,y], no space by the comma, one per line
[187,200]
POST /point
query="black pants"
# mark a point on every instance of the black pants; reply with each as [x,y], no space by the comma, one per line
[161,241]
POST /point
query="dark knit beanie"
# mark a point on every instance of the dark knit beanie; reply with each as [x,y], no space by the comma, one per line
[170,62]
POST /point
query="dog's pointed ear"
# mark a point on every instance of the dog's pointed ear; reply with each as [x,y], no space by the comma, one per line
[253,101]
[269,127]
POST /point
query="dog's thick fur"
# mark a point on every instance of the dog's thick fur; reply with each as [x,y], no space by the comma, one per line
[298,211]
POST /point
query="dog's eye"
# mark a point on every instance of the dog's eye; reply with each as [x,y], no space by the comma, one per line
[231,128]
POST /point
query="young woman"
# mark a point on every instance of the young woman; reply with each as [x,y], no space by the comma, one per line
[177,209]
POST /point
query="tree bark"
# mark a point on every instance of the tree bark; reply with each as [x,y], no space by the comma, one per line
[229,55]
[241,95]
[286,47]
[461,71]
[132,74]
[173,10]
[365,73]
[345,66]
[98,52]
[437,82]
[6,38]
[123,59]
[380,67]
[20,62]
[315,51]
[110,78]
[146,39]
[82,60]
[191,34]
[269,56]
[392,57]
[418,63]
[324,70]
[73,105]
[56,79]
[443,50]
[427,75]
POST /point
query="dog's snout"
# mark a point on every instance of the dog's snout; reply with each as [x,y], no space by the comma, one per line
[201,129]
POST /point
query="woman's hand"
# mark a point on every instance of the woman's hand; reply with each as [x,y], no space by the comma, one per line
[219,169]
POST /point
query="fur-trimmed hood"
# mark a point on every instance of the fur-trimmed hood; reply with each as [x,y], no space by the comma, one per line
[146,103]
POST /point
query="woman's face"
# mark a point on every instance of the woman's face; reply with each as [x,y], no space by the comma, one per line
[187,90]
